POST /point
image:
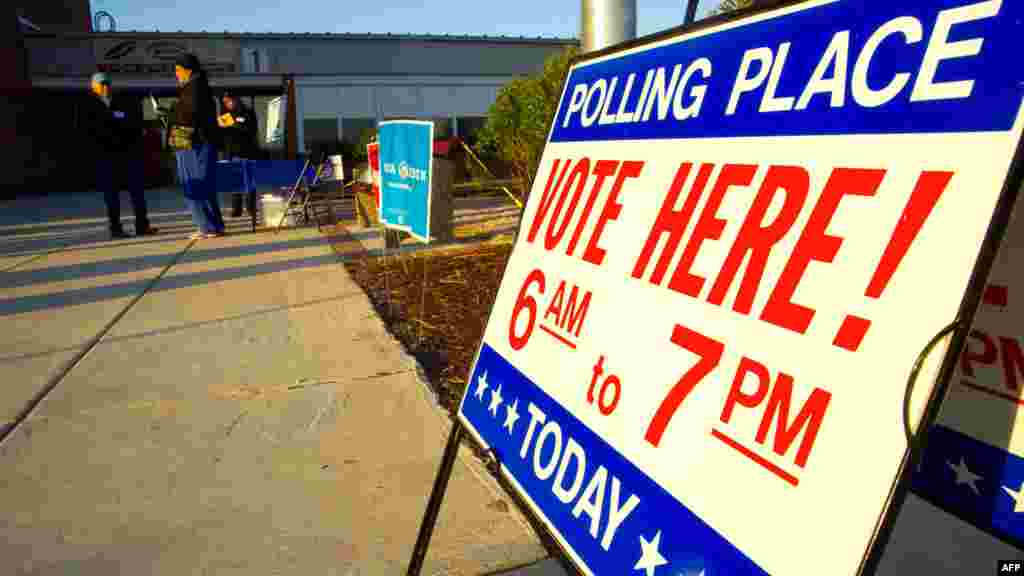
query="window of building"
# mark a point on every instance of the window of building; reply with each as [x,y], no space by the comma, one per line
[469,126]
[355,135]
[320,134]
[267,110]
[442,128]
[357,131]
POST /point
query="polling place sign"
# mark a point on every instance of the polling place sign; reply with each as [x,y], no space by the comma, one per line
[739,239]
[406,161]
[974,464]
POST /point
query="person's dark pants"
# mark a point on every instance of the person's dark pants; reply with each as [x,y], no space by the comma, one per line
[111,172]
[247,197]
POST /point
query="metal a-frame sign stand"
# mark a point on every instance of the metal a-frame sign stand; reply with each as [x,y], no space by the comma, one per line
[957,330]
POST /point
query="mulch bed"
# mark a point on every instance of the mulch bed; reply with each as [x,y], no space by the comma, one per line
[437,306]
[436,303]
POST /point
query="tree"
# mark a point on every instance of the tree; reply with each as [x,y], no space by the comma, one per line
[519,120]
[731,5]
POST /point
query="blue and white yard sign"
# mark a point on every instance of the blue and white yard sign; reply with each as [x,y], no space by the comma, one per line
[406,160]
[737,243]
[974,464]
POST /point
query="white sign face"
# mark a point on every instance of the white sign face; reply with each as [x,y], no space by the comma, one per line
[974,464]
[277,113]
[737,243]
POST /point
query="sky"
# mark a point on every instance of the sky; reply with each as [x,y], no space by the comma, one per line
[549,18]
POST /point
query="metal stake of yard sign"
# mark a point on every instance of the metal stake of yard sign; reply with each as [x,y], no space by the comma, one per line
[451,449]
[423,303]
[444,472]
[387,285]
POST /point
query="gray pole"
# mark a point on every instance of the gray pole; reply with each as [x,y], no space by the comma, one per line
[606,23]
[691,11]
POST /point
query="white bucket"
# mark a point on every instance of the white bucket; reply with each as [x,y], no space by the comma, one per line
[335,170]
[272,207]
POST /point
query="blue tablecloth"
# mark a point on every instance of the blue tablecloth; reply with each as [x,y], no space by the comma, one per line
[265,173]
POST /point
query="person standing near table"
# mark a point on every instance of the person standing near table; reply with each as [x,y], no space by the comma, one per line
[239,131]
[194,136]
[115,123]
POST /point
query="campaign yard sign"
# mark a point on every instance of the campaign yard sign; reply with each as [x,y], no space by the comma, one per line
[373,163]
[738,241]
[974,463]
[406,161]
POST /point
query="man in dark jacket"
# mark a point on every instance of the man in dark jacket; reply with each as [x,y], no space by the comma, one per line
[239,131]
[116,124]
[238,135]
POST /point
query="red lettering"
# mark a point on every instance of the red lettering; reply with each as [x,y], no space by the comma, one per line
[810,416]
[758,240]
[594,253]
[556,303]
[672,222]
[708,227]
[546,198]
[736,394]
[929,187]
[1013,361]
[574,315]
[602,170]
[579,173]
[987,356]
[815,244]
[710,353]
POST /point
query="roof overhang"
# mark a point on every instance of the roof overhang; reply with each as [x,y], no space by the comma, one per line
[240,82]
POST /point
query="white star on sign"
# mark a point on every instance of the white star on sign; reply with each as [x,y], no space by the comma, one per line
[481,385]
[511,415]
[1018,498]
[495,400]
[964,475]
[650,558]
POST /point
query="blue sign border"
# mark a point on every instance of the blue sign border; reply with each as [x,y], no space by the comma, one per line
[419,227]
[659,523]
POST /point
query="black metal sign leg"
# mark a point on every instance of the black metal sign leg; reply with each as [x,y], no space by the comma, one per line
[436,496]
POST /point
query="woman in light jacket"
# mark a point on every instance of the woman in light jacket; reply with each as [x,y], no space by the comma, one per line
[194,134]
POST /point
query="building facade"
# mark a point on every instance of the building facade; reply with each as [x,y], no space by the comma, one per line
[344,83]
[23,153]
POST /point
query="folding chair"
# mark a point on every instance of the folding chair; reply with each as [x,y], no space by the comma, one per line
[296,205]
[322,198]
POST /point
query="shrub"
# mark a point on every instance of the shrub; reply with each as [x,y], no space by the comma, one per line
[518,121]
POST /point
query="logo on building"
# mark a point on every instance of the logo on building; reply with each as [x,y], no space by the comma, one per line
[165,51]
[120,50]
[156,57]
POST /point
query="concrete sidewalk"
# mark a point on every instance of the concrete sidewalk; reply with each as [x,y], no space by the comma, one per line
[245,411]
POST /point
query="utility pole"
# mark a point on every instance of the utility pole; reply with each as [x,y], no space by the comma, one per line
[691,11]
[606,23]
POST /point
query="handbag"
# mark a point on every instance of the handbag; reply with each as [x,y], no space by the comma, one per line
[180,137]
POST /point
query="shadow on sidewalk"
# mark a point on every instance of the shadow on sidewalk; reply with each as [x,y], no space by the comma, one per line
[77,297]
[183,327]
[75,226]
[87,239]
[276,243]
